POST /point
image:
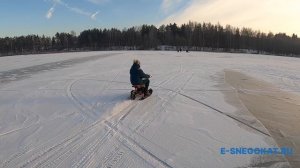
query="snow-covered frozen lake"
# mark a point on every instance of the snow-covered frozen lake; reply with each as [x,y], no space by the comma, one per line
[73,110]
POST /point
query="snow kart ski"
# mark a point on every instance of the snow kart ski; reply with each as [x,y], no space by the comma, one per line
[138,92]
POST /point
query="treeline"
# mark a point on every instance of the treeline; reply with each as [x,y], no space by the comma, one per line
[191,36]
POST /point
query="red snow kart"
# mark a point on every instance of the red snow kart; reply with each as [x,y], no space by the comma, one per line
[139,91]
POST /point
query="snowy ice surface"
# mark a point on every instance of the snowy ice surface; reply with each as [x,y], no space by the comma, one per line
[73,110]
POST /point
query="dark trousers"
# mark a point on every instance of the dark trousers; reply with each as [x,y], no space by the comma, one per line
[146,82]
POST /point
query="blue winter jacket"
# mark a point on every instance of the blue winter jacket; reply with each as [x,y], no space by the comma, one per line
[136,75]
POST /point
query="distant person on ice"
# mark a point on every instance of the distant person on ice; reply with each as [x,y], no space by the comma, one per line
[138,77]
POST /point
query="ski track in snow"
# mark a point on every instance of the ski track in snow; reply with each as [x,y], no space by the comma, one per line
[120,132]
[64,148]
[85,111]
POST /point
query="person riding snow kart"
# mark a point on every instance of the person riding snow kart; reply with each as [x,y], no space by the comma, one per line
[139,78]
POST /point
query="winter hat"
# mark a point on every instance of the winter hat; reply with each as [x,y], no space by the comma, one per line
[136,61]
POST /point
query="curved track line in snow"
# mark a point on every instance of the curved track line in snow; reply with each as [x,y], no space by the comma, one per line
[16,130]
[105,88]
[80,105]
[76,102]
[29,126]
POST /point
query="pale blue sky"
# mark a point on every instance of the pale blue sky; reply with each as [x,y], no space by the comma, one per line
[22,17]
